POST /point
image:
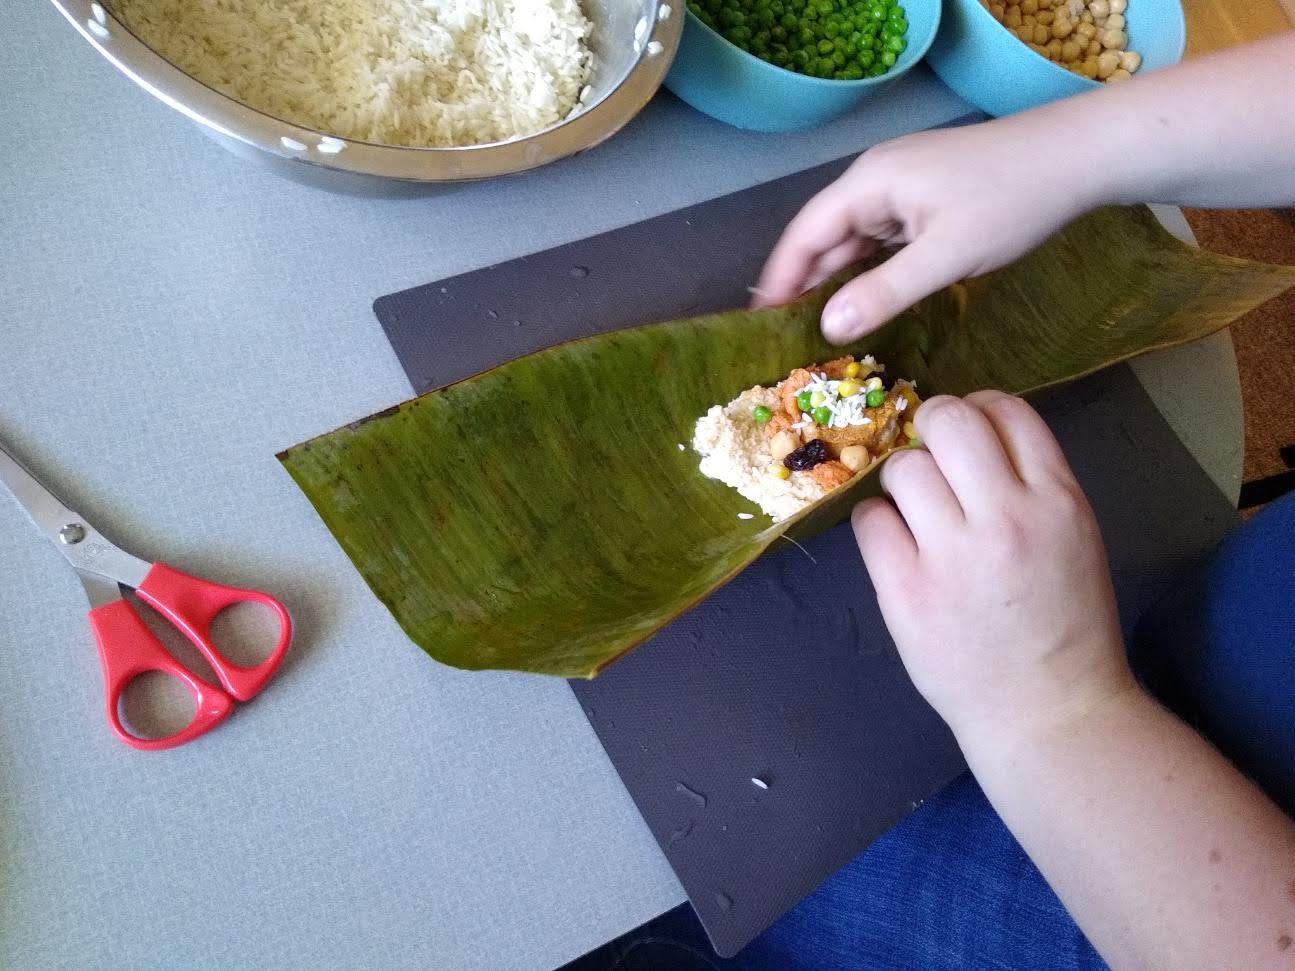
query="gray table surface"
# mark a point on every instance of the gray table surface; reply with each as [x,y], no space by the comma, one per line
[173,316]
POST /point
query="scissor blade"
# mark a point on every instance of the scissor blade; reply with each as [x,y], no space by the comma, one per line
[80,543]
[45,508]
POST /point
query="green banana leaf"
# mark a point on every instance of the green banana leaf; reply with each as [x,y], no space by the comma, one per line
[541,516]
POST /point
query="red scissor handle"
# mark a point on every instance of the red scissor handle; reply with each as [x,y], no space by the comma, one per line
[191,604]
[128,649]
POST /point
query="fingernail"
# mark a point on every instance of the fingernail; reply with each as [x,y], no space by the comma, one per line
[839,321]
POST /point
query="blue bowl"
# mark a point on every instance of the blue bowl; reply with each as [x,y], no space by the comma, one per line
[720,79]
[987,65]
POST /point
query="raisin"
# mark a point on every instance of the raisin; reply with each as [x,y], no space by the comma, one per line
[807,456]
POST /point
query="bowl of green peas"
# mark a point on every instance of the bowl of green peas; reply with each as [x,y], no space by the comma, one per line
[783,65]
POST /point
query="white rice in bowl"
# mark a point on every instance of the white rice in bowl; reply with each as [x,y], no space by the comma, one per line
[421,73]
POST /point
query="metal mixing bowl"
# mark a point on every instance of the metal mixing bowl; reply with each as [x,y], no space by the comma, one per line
[633,42]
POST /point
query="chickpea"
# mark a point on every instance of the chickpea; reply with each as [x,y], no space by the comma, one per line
[1119,6]
[1045,17]
[783,444]
[1029,6]
[1114,39]
[1075,8]
[1121,75]
[1086,17]
[1041,34]
[1062,28]
[1130,61]
[1094,47]
[1115,22]
[1086,31]
[998,11]
[1070,52]
[1029,20]
[1026,34]
[1013,17]
[855,458]
[1099,9]
[1054,49]
[1108,62]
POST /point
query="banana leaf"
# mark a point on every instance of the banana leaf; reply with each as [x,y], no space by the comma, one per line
[541,516]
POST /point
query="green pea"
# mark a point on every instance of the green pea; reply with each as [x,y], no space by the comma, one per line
[876,398]
[896,45]
[825,47]
[853,73]
[876,71]
[761,414]
[800,58]
[838,59]
[865,58]
[789,22]
[821,415]
[888,58]
[803,401]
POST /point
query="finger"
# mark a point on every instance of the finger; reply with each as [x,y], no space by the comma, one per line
[838,258]
[1029,443]
[915,484]
[875,297]
[825,222]
[966,448]
[888,548]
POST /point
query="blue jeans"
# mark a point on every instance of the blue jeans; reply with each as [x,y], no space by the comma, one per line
[949,887]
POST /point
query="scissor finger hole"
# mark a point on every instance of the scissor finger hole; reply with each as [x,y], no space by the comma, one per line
[245,633]
[155,705]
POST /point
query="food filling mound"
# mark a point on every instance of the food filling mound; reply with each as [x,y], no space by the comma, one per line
[788,446]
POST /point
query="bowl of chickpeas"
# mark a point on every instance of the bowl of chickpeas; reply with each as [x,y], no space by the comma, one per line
[783,65]
[1004,56]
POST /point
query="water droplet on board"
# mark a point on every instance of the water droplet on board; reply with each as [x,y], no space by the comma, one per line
[697,797]
[590,713]
[579,272]
[681,833]
[492,314]
[759,783]
[723,901]
[517,323]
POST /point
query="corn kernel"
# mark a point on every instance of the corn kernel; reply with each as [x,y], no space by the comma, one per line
[910,431]
[872,384]
[779,471]
[817,398]
[848,388]
[852,369]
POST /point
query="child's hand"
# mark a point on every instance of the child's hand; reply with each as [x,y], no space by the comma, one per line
[965,200]
[990,572]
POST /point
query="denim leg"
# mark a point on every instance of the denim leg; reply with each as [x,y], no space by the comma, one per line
[1219,649]
[949,887]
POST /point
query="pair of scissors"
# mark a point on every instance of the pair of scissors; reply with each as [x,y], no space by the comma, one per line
[127,648]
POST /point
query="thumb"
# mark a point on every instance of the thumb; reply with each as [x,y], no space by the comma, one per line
[873,298]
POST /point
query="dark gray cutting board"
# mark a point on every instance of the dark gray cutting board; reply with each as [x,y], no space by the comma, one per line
[787,674]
